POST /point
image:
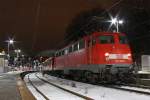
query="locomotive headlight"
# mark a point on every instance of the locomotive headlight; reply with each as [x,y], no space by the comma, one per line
[106,54]
[129,54]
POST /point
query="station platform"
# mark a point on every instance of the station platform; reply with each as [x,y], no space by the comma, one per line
[143,78]
[13,88]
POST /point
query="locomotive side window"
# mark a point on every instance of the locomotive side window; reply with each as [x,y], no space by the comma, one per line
[66,51]
[59,53]
[63,52]
[81,44]
[123,39]
[106,39]
[75,47]
[56,54]
[70,49]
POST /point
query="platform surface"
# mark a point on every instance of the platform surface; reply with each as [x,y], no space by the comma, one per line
[8,87]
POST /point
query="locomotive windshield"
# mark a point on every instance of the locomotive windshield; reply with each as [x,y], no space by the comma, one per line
[106,39]
[123,39]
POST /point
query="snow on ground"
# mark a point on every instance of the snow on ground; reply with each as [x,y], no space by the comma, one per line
[14,72]
[50,91]
[135,88]
[95,92]
[33,91]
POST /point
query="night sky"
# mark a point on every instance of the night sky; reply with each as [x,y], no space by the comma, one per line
[38,25]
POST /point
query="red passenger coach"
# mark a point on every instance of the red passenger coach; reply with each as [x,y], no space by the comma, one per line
[101,56]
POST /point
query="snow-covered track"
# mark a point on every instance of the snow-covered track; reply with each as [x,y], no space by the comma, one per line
[129,89]
[74,93]
[137,86]
[37,89]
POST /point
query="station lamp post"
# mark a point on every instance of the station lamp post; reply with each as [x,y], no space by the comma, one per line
[10,42]
[116,22]
[17,51]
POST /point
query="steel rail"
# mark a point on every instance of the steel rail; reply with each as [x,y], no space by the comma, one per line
[74,93]
[125,89]
[37,89]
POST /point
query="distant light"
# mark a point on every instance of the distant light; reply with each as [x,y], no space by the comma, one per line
[120,22]
[18,51]
[1,53]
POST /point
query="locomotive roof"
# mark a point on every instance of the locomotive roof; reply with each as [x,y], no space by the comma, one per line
[105,33]
[93,34]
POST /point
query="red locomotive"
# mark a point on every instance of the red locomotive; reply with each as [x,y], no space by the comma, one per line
[102,56]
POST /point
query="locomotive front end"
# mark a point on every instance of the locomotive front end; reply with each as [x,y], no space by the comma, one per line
[116,56]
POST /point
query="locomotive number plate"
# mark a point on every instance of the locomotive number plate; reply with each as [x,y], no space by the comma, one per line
[118,56]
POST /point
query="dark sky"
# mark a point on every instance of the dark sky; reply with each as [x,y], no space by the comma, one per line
[40,24]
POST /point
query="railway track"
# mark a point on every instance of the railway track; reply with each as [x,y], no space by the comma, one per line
[68,91]
[74,93]
[137,86]
[44,96]
[128,87]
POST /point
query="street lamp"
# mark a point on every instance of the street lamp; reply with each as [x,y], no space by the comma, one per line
[17,51]
[10,42]
[116,22]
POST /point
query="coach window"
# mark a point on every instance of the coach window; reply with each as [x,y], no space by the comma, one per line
[55,54]
[66,51]
[70,49]
[59,53]
[75,47]
[106,39]
[81,44]
[62,52]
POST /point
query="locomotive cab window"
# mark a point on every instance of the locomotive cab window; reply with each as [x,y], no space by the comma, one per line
[106,39]
[123,39]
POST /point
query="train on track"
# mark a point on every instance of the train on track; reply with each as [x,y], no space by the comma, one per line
[101,56]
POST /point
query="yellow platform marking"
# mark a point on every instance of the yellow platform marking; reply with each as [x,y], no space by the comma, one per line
[24,92]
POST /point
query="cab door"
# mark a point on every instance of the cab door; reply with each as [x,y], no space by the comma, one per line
[89,51]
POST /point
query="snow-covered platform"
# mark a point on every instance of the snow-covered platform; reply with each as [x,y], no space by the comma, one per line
[143,78]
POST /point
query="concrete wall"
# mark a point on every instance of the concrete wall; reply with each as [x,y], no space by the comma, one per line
[145,62]
[2,64]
